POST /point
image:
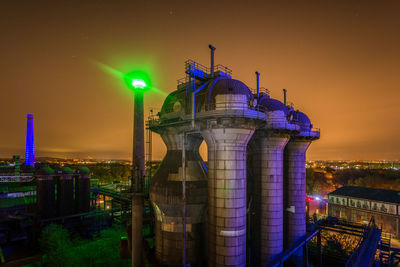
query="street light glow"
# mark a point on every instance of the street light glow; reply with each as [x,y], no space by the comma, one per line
[138,83]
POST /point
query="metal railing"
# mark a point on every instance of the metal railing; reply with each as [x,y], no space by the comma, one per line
[229,109]
[224,69]
[193,68]
[262,90]
[369,234]
[191,65]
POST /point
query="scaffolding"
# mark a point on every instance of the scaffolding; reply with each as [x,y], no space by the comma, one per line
[149,149]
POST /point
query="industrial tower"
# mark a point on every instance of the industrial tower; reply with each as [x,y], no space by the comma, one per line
[247,204]
[30,142]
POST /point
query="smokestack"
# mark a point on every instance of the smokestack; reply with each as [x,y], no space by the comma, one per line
[284,96]
[30,142]
[138,172]
[212,60]
[258,84]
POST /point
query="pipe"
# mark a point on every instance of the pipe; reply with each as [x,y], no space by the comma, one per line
[184,197]
[284,96]
[258,84]
[212,60]
[194,102]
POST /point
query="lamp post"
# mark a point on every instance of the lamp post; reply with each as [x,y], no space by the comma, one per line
[138,171]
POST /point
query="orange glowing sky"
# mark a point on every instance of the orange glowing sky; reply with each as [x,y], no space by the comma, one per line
[339,60]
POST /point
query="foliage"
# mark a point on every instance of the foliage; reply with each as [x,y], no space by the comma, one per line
[55,241]
[317,183]
[108,173]
[338,244]
[61,250]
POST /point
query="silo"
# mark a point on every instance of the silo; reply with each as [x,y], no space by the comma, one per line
[266,183]
[65,192]
[226,125]
[45,193]
[82,190]
[295,180]
[166,191]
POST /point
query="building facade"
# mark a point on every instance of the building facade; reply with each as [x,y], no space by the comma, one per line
[359,204]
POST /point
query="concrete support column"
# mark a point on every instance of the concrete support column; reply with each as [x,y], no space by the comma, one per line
[267,195]
[166,198]
[137,236]
[227,195]
[295,195]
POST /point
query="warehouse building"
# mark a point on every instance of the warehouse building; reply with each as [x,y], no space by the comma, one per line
[359,204]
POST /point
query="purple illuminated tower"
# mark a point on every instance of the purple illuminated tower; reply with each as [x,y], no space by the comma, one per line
[30,142]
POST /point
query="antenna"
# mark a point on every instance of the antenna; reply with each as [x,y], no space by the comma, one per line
[258,84]
[212,60]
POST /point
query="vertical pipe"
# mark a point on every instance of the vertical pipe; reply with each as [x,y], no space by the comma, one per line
[305,254]
[319,248]
[184,198]
[212,60]
[258,84]
[284,96]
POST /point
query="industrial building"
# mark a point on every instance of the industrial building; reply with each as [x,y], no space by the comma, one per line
[359,204]
[248,203]
[35,195]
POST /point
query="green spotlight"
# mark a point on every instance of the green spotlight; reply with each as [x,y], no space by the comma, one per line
[138,80]
[138,83]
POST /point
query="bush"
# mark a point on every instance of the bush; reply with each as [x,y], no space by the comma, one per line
[61,251]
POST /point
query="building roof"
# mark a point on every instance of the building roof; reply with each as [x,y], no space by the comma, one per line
[273,105]
[383,195]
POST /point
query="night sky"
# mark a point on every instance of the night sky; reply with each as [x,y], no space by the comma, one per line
[339,61]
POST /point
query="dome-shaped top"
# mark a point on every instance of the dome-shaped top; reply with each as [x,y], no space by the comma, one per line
[173,102]
[263,97]
[224,85]
[83,170]
[301,119]
[67,170]
[236,92]
[271,104]
[45,170]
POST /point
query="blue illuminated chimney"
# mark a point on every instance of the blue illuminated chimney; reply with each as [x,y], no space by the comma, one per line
[30,142]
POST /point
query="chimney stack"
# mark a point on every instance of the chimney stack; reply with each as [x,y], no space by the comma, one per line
[212,60]
[258,84]
[30,142]
[284,96]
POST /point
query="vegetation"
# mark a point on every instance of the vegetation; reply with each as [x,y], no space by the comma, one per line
[336,248]
[325,181]
[108,173]
[60,249]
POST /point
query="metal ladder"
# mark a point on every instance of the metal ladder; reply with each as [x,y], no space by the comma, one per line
[384,254]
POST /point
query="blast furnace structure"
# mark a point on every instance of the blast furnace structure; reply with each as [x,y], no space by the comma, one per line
[248,203]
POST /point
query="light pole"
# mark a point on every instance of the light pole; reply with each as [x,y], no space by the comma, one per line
[138,171]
